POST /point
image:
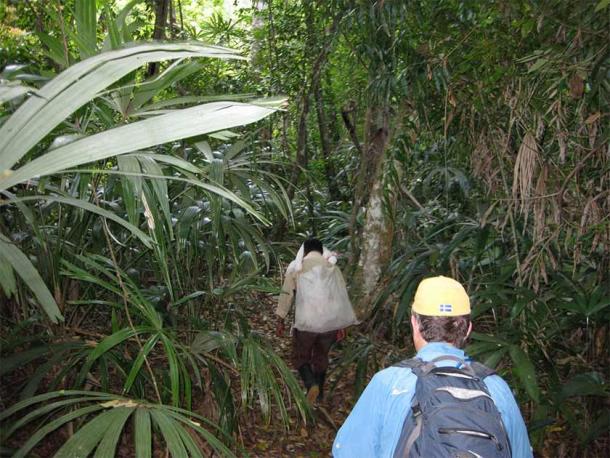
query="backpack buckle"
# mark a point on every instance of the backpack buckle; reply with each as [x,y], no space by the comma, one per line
[416,410]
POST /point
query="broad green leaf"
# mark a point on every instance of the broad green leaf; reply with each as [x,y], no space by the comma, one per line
[149,166]
[221,191]
[107,446]
[587,384]
[494,358]
[86,25]
[525,370]
[12,89]
[143,437]
[114,339]
[170,434]
[107,344]
[192,100]
[45,397]
[224,135]
[602,5]
[7,280]
[208,341]
[541,62]
[122,17]
[209,437]
[147,90]
[177,125]
[131,185]
[52,426]
[43,411]
[12,255]
[174,370]
[491,339]
[55,49]
[169,160]
[79,84]
[188,298]
[113,39]
[189,442]
[593,308]
[137,365]
[146,240]
[82,443]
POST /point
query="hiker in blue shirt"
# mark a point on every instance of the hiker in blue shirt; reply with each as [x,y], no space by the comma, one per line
[441,324]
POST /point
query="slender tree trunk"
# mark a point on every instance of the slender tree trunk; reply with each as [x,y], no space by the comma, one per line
[258,22]
[173,26]
[329,166]
[299,162]
[162,8]
[181,16]
[347,116]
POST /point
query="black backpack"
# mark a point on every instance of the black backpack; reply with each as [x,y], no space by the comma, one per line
[452,413]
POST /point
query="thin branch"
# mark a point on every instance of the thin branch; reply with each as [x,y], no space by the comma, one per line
[126,305]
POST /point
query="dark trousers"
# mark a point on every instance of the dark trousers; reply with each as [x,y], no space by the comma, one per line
[312,348]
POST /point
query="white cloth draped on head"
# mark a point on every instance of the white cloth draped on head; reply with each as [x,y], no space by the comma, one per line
[297,264]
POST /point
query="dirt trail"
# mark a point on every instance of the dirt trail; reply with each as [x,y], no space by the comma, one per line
[311,440]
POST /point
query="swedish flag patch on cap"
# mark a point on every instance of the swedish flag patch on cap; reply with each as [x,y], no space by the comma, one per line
[445,308]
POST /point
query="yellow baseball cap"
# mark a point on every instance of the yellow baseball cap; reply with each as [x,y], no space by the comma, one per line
[441,296]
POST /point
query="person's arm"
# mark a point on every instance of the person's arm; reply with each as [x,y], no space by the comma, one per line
[286,295]
[511,416]
[359,435]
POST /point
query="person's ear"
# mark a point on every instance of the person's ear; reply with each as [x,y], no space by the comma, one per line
[469,329]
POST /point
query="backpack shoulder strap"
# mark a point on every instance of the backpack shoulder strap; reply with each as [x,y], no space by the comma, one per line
[481,370]
[417,366]
[473,367]
[407,439]
[410,363]
[448,357]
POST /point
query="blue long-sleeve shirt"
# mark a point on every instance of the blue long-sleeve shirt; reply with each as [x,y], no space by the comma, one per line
[374,425]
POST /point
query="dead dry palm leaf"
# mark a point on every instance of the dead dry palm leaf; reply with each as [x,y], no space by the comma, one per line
[526,165]
[540,204]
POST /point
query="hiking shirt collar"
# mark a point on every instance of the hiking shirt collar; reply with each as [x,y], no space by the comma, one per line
[435,349]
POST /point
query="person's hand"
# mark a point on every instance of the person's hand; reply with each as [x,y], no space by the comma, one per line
[341,335]
[279,328]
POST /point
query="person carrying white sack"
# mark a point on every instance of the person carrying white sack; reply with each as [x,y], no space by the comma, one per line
[322,312]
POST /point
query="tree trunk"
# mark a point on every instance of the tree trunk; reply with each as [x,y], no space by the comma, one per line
[372,244]
[299,162]
[162,8]
[173,27]
[329,166]
[346,114]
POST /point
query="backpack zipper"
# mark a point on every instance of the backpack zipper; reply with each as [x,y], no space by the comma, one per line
[471,432]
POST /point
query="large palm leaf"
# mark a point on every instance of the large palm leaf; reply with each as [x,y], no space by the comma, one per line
[110,413]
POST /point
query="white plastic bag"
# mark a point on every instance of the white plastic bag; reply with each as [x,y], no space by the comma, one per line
[322,303]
